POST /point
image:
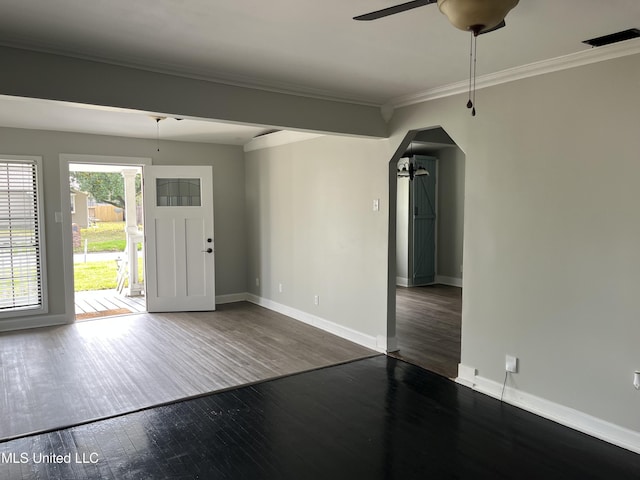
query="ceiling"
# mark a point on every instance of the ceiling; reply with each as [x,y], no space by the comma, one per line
[303,47]
[16,112]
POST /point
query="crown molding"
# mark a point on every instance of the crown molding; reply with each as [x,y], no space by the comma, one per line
[572,60]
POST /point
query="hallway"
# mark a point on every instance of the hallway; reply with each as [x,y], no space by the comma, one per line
[428,327]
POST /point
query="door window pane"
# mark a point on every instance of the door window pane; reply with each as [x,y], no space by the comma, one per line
[178,192]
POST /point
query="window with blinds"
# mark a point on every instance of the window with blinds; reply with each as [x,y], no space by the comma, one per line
[21,270]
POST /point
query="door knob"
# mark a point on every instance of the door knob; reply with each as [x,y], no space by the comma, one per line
[208,250]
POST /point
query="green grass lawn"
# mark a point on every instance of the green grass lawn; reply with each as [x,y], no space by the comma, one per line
[98,275]
[103,237]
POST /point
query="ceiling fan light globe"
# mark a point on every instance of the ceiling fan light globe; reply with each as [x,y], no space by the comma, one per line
[476,15]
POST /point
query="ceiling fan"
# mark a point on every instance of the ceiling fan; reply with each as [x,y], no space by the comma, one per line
[475,16]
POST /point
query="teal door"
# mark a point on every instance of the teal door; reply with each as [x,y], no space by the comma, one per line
[423,202]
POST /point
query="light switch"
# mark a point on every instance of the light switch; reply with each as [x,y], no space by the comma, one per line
[376,205]
[58,217]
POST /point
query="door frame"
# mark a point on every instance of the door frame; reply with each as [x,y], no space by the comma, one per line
[63,216]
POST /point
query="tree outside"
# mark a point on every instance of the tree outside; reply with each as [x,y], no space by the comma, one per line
[105,187]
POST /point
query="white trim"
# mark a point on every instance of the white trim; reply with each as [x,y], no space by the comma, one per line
[105,159]
[23,323]
[231,298]
[321,323]
[391,344]
[275,139]
[572,60]
[453,281]
[403,282]
[567,416]
[466,375]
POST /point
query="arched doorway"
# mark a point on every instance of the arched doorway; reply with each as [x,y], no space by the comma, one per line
[429,229]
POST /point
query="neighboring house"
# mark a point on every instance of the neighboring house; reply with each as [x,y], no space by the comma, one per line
[80,208]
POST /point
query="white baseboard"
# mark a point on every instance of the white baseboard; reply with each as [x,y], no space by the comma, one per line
[391,344]
[347,333]
[569,417]
[231,298]
[23,323]
[452,281]
[402,282]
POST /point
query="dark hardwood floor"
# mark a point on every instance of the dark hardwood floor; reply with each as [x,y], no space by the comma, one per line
[378,418]
[428,327]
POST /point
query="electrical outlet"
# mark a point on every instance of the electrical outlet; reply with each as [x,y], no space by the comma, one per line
[280,287]
[257,281]
[316,300]
[511,364]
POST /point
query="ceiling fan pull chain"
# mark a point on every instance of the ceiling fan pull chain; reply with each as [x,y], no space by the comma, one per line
[470,103]
[475,68]
[158,133]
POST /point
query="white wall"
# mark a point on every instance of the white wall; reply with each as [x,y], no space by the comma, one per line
[551,257]
[311,227]
[228,177]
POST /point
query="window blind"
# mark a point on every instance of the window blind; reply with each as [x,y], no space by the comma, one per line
[20,254]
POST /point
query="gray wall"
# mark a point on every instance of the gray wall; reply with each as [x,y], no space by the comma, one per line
[551,257]
[450,211]
[311,227]
[228,178]
[83,81]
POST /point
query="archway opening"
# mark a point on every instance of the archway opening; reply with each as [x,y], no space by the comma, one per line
[426,251]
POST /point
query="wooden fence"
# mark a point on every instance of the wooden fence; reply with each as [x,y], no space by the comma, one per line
[106,213]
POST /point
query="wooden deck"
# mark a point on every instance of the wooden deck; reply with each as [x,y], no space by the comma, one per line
[104,303]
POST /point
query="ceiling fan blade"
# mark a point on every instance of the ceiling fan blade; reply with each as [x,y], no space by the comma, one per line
[385,12]
[493,29]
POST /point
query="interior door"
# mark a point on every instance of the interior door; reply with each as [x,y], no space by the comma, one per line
[424,223]
[179,242]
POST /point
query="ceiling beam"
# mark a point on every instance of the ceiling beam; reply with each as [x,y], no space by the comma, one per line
[48,76]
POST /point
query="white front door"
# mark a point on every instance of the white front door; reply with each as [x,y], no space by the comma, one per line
[179,243]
